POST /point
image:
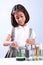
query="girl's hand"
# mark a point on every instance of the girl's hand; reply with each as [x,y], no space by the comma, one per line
[30,41]
[14,44]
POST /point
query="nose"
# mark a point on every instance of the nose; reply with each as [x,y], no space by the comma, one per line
[19,19]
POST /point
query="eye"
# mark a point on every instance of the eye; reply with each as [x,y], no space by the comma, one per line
[21,16]
[17,17]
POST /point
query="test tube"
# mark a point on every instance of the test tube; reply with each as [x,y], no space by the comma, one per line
[37,52]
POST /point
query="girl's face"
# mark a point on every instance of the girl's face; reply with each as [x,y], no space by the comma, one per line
[20,18]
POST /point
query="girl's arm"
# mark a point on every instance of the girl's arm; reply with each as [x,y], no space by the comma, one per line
[8,42]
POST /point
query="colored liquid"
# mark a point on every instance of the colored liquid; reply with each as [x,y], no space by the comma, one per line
[37,53]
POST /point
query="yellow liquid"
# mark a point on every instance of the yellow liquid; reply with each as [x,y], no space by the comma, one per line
[37,53]
[36,57]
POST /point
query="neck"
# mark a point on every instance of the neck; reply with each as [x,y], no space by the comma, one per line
[23,25]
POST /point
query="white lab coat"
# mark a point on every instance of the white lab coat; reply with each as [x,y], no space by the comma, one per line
[21,34]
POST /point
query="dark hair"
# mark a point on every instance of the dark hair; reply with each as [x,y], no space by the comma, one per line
[21,8]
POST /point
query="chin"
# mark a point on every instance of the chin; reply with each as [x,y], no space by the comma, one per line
[22,24]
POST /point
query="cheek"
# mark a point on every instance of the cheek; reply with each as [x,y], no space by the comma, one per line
[24,19]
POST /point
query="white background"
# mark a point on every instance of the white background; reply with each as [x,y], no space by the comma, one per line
[35,9]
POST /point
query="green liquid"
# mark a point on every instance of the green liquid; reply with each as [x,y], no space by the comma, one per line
[20,56]
[20,53]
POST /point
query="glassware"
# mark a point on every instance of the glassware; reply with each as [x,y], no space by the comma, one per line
[20,55]
[37,52]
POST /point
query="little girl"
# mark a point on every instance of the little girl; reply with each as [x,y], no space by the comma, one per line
[20,31]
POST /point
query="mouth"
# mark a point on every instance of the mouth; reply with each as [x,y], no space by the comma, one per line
[21,23]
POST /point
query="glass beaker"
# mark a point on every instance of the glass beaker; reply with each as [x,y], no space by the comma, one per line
[21,54]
